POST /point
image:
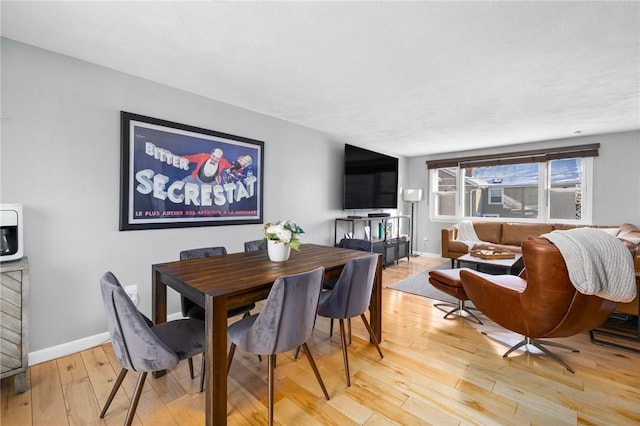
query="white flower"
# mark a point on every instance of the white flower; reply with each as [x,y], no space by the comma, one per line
[286,232]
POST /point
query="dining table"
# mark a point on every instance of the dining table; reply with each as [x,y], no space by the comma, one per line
[219,283]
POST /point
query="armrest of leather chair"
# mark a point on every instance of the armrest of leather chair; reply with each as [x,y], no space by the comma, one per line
[448,235]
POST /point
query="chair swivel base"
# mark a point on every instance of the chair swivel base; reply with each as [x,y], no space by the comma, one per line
[540,344]
[458,310]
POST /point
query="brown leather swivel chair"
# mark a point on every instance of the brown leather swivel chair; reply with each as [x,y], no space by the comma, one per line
[540,303]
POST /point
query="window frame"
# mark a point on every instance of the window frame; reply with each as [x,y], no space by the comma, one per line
[544,196]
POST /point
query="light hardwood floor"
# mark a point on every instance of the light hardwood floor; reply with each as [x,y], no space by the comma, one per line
[435,371]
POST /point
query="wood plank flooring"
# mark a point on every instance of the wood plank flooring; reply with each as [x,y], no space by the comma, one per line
[434,371]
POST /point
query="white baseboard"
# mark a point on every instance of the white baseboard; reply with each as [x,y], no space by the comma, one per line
[421,253]
[75,346]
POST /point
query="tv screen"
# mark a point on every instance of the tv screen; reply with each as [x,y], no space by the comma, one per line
[370,179]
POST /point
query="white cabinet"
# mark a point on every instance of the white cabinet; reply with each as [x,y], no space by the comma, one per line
[14,320]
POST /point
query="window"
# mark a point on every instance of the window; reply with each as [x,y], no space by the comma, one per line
[543,187]
[446,191]
[565,191]
[495,196]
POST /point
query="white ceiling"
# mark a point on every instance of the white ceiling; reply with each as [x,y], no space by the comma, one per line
[405,78]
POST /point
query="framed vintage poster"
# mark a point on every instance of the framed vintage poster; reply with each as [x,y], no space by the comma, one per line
[175,175]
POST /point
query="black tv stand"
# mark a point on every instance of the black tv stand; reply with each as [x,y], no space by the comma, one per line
[392,245]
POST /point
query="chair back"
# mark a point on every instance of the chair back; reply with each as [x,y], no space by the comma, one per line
[558,309]
[287,319]
[542,302]
[356,244]
[351,294]
[202,252]
[255,245]
[134,343]
[197,253]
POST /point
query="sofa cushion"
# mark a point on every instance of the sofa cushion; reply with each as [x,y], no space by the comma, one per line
[516,233]
[630,235]
[488,231]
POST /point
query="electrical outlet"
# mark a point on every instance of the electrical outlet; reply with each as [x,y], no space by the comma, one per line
[425,240]
[132,292]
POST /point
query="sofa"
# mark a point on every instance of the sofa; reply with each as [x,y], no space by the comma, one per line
[510,235]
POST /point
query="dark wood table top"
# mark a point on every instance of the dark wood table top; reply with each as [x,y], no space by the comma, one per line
[238,273]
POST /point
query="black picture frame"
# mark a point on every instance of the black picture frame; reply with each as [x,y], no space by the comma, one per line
[174,175]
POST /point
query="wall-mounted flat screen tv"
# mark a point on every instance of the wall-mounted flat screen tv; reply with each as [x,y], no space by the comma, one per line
[370,179]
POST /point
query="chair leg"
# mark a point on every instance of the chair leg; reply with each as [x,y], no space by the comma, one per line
[372,334]
[232,351]
[272,367]
[514,347]
[331,328]
[202,372]
[556,345]
[116,386]
[460,308]
[136,398]
[349,325]
[191,368]
[343,339]
[539,344]
[314,367]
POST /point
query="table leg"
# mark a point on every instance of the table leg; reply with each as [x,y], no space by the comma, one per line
[216,360]
[375,306]
[159,306]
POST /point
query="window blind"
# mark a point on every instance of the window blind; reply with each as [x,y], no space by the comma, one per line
[518,157]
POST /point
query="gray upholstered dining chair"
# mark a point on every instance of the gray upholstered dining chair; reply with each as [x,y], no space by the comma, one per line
[351,244]
[349,298]
[190,309]
[356,244]
[255,245]
[143,348]
[285,322]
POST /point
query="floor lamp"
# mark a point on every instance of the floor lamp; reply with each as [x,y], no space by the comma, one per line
[413,196]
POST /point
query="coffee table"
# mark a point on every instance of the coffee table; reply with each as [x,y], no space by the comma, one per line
[507,264]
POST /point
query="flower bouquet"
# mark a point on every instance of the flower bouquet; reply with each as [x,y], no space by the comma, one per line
[281,238]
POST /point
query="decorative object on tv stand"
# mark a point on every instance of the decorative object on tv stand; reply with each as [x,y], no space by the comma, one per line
[281,238]
[412,196]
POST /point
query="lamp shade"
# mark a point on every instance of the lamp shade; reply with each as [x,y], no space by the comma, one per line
[413,195]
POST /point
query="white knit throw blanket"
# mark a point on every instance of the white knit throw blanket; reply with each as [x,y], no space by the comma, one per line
[597,262]
[467,234]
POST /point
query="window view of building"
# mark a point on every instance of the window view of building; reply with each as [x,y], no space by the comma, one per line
[548,190]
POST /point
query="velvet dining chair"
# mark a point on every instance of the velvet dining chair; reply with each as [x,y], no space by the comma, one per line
[350,298]
[255,245]
[285,323]
[190,309]
[351,244]
[143,348]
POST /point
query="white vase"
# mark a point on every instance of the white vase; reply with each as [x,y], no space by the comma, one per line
[278,252]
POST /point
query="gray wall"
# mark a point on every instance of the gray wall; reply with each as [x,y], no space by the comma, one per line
[616,182]
[61,160]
